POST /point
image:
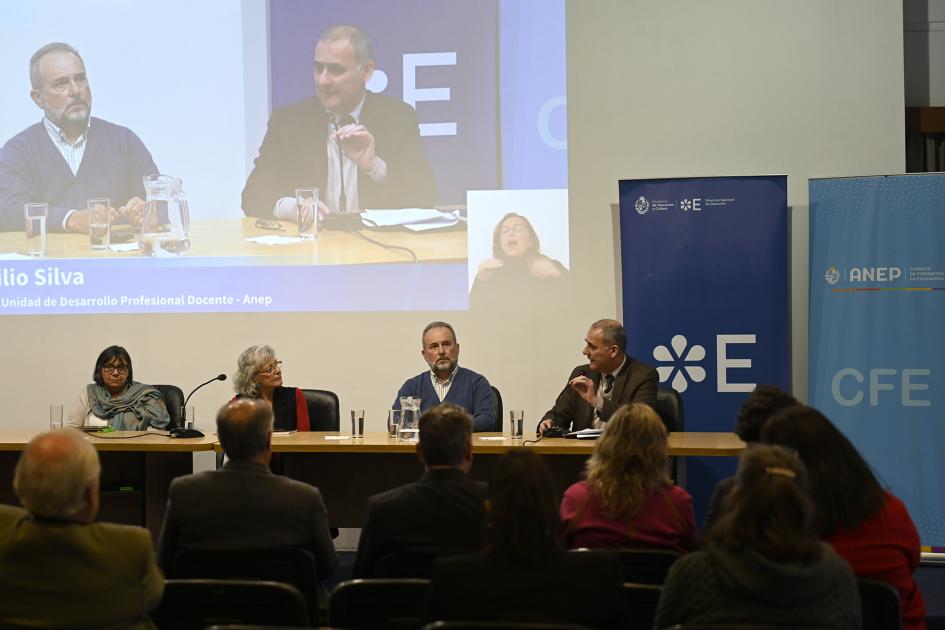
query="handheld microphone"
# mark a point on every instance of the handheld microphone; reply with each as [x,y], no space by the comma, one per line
[182,431]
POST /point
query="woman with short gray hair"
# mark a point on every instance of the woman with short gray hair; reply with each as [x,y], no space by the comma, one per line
[259,375]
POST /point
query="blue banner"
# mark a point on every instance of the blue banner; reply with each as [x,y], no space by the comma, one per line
[877,330]
[706,296]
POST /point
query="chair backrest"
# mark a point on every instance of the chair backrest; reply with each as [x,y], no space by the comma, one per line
[404,564]
[174,401]
[641,566]
[196,604]
[378,604]
[505,625]
[881,606]
[291,565]
[498,409]
[669,406]
[642,600]
[323,409]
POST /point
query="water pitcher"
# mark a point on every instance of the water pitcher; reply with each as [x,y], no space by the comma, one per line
[409,418]
[165,227]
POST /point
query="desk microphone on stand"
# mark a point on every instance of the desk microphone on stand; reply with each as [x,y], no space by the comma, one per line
[182,431]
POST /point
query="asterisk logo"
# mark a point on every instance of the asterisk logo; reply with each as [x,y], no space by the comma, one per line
[680,369]
[685,205]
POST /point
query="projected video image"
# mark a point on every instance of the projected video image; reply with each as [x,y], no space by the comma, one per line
[295,156]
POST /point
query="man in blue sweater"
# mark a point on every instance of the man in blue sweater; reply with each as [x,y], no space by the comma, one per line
[447,382]
[69,157]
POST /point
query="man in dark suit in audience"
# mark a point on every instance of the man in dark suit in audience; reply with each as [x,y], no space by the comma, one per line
[57,567]
[598,388]
[442,514]
[244,505]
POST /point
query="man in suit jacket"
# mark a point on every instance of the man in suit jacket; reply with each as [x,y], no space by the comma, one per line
[611,378]
[442,514]
[244,505]
[362,150]
[57,567]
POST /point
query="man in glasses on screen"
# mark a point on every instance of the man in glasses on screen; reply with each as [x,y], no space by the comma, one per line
[360,149]
[69,157]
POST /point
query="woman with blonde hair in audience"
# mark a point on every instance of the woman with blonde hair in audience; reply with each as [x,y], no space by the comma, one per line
[764,563]
[866,525]
[627,498]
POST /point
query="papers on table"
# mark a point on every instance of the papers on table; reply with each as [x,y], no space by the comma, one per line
[273,239]
[124,247]
[282,433]
[585,434]
[415,219]
[492,438]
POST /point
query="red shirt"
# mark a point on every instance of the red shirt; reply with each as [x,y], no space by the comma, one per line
[886,548]
[665,521]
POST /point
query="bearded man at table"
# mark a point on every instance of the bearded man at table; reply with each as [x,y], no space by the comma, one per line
[70,157]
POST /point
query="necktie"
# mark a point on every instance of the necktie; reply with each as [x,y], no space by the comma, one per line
[342,198]
[608,385]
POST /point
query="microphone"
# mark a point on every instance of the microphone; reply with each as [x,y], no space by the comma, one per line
[346,120]
[183,409]
[182,431]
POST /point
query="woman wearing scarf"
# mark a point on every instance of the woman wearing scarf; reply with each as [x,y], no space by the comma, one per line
[115,399]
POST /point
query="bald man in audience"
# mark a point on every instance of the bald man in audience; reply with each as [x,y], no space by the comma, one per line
[244,505]
[57,567]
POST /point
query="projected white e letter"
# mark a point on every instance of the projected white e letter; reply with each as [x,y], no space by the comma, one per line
[413,94]
[723,363]
[544,123]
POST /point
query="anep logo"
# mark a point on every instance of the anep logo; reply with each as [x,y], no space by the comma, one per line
[681,363]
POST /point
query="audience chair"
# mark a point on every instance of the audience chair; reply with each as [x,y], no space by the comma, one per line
[880,602]
[292,565]
[498,409]
[641,566]
[323,409]
[404,564]
[504,625]
[642,600]
[196,604]
[378,604]
[174,401]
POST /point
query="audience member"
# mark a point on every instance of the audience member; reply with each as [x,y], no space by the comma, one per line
[628,499]
[524,574]
[763,402]
[259,375]
[244,506]
[115,399]
[764,563]
[611,378]
[58,568]
[442,514]
[866,524]
[70,156]
[446,382]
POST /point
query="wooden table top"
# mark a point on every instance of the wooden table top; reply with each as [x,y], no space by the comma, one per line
[680,444]
[14,440]
[706,444]
[225,237]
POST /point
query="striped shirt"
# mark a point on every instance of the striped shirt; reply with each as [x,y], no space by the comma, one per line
[71,153]
[442,389]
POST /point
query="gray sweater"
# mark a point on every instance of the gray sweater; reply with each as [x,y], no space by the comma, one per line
[719,585]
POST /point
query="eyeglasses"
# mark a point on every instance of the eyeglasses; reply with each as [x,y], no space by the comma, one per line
[112,369]
[61,86]
[273,368]
[512,229]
